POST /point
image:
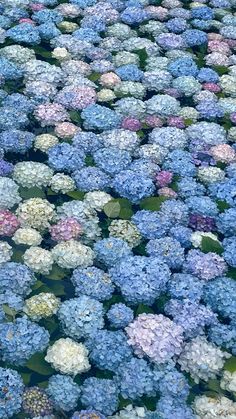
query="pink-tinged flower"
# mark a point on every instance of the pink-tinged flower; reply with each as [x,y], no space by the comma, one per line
[219,46]
[163,178]
[35,7]
[212,87]
[66,229]
[26,20]
[233,117]
[77,98]
[176,121]
[51,114]
[168,192]
[132,124]
[214,36]
[223,152]
[153,121]
[109,79]
[231,42]
[9,223]
[66,130]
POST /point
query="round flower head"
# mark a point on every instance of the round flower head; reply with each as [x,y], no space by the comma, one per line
[92,282]
[219,295]
[76,98]
[228,381]
[45,141]
[111,250]
[131,412]
[120,315]
[66,130]
[30,174]
[205,265]
[155,336]
[27,236]
[9,195]
[22,339]
[38,259]
[36,213]
[133,186]
[203,360]
[50,114]
[65,157]
[169,249]
[81,317]
[207,407]
[224,153]
[61,183]
[63,391]
[41,306]
[36,402]
[68,357]
[66,229]
[5,252]
[8,223]
[16,278]
[71,254]
[97,199]
[12,389]
[125,230]
[88,414]
[91,179]
[100,394]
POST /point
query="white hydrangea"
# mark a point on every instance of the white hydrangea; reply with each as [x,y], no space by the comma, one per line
[126,230]
[17,54]
[38,259]
[228,381]
[130,412]
[30,174]
[61,54]
[5,252]
[154,152]
[187,85]
[121,138]
[210,174]
[124,58]
[45,141]
[105,95]
[61,183]
[232,134]
[228,84]
[27,236]
[131,88]
[97,199]
[36,213]
[197,236]
[9,195]
[71,254]
[68,357]
[214,408]
[202,359]
[42,305]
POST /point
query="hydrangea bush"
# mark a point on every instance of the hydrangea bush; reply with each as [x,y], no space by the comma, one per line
[117,209]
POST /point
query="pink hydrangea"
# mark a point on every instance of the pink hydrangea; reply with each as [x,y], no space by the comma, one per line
[153,121]
[168,192]
[51,114]
[66,130]
[176,121]
[66,229]
[157,12]
[26,20]
[223,152]
[132,124]
[109,79]
[36,7]
[218,46]
[9,223]
[163,178]
[77,98]
[233,117]
[212,87]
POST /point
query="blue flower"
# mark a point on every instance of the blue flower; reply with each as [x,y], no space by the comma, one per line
[194,37]
[92,282]
[151,224]
[220,295]
[91,179]
[129,72]
[185,286]
[24,32]
[63,391]
[100,394]
[184,66]
[120,315]
[65,157]
[16,278]
[112,160]
[12,388]
[169,249]
[112,250]
[99,117]
[133,186]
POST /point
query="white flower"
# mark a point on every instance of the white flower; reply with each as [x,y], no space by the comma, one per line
[125,230]
[5,252]
[38,259]
[97,199]
[42,305]
[210,174]
[202,359]
[130,412]
[214,408]
[197,236]
[71,254]
[28,236]
[30,174]
[228,381]
[9,195]
[61,54]
[62,183]
[105,95]
[36,213]
[68,356]
[45,141]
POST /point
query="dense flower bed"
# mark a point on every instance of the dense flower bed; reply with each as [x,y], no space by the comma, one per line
[118,209]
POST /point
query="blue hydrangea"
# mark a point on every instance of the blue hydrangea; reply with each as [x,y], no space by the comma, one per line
[12,117]
[100,394]
[108,350]
[112,160]
[81,317]
[87,34]
[133,186]
[24,32]
[169,249]
[141,279]
[175,211]
[63,391]
[184,66]
[129,72]
[188,186]
[120,315]
[91,179]
[223,335]
[202,205]
[14,140]
[194,37]
[226,222]
[172,382]
[182,234]
[180,162]
[12,388]
[169,137]
[224,191]
[145,167]
[88,414]
[65,157]
[185,286]
[229,254]
[93,22]
[202,12]
[6,168]
[111,250]
[16,278]
[176,25]
[83,3]
[22,339]
[93,282]
[133,15]
[100,118]
[151,224]
[210,110]
[14,301]
[88,141]
[5,22]
[17,100]
[207,75]
[220,295]
[47,16]
[48,31]
[9,70]
[170,407]
[135,379]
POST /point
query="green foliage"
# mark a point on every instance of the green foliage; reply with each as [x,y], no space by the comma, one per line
[210,245]
[27,193]
[153,203]
[38,364]
[222,205]
[143,308]
[119,207]
[56,273]
[112,209]
[78,195]
[75,117]
[230,364]
[142,53]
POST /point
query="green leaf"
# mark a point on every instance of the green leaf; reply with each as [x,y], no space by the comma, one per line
[38,364]
[37,285]
[214,385]
[94,76]
[43,52]
[153,203]
[142,53]
[58,289]
[26,377]
[230,364]
[28,193]
[231,273]
[188,122]
[75,117]
[220,69]
[8,310]
[17,256]
[222,205]
[210,245]
[143,308]
[56,273]
[112,209]
[79,195]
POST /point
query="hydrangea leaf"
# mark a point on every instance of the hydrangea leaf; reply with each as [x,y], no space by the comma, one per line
[38,364]
[153,203]
[210,245]
[112,209]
